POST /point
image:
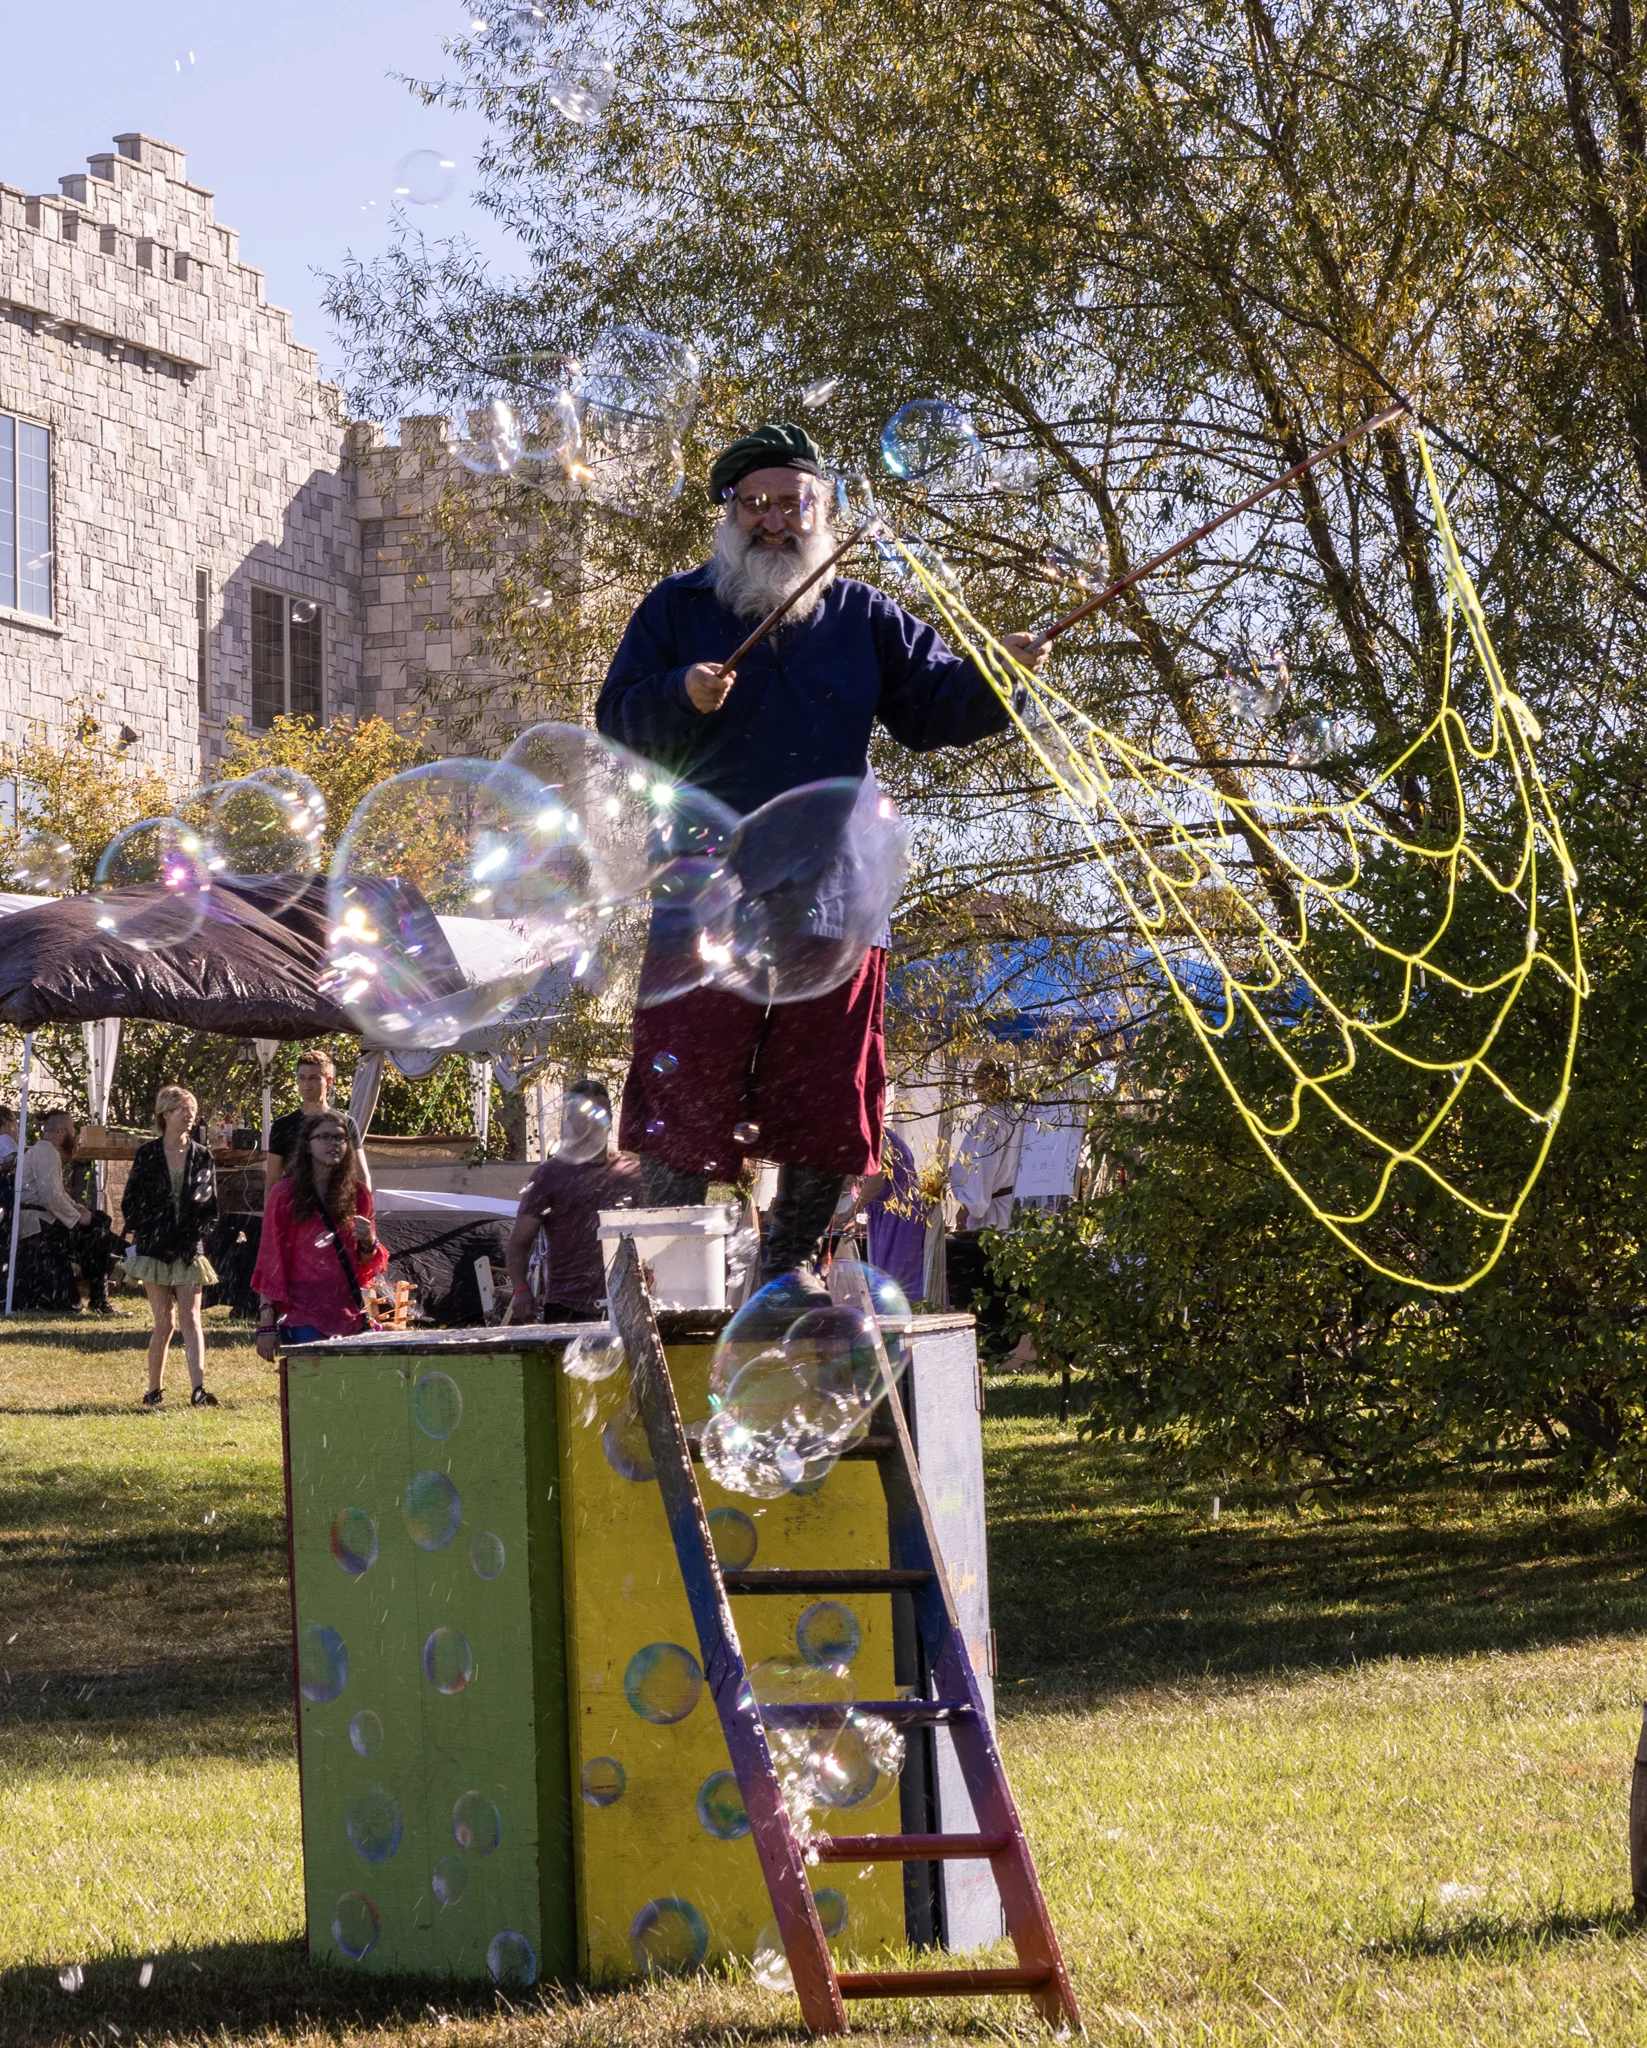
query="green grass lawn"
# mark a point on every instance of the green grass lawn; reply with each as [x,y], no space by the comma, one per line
[1356,1775]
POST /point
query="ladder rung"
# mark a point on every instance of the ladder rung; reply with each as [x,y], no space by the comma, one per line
[830,1713]
[776,1580]
[904,1848]
[937,1983]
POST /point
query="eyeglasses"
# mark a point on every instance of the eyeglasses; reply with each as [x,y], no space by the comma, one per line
[756,504]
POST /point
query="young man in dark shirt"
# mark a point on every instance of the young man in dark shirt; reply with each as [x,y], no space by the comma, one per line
[564,1198]
[315,1075]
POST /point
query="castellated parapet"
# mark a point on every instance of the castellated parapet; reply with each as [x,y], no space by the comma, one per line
[204,484]
[190,438]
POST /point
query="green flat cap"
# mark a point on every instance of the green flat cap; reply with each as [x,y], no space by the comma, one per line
[777,445]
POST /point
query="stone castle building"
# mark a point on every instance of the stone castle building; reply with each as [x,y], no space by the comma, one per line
[190,529]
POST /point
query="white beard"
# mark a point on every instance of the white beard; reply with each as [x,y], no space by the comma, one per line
[751,580]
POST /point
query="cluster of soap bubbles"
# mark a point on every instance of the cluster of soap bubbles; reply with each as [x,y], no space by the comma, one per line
[608,428]
[153,885]
[578,83]
[933,444]
[831,1755]
[795,1378]
[1258,686]
[464,893]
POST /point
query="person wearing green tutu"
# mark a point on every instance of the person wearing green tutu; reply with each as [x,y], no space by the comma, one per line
[170,1200]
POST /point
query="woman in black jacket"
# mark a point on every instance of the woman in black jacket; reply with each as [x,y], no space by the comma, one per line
[170,1198]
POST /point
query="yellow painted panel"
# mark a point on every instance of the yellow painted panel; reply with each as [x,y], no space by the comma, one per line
[648,1848]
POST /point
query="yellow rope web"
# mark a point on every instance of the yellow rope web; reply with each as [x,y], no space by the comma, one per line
[1437,1020]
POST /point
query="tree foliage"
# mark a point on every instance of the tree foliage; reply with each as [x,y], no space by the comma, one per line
[1158,250]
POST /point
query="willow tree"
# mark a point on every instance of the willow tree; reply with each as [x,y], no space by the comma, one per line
[1155,252]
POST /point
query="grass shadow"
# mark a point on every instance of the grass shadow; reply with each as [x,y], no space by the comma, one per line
[1102,1582]
[1488,1934]
[273,1989]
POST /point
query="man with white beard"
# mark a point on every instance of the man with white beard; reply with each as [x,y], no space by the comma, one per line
[714,1079]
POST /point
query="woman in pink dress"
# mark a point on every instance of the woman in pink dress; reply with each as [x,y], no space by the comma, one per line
[319,1250]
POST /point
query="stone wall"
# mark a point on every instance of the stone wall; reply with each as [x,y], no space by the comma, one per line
[189,432]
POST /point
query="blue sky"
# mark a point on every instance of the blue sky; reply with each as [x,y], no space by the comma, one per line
[290,114]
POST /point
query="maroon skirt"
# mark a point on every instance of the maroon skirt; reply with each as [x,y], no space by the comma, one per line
[715,1080]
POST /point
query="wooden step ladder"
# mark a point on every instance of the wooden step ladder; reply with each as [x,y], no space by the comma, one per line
[916,1576]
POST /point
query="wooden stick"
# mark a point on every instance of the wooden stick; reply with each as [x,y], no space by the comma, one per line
[772,618]
[1381,419]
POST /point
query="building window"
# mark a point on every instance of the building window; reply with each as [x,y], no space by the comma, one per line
[25,517]
[287,670]
[202,641]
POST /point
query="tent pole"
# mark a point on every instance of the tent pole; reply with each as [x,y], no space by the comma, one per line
[17,1177]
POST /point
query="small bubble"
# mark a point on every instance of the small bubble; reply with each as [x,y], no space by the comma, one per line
[476,1824]
[603,1781]
[746,1133]
[819,392]
[72,1977]
[448,1661]
[354,1540]
[322,1664]
[425,177]
[355,1925]
[720,1807]
[145,1977]
[365,1733]
[486,1555]
[373,1825]
[662,1682]
[431,1509]
[664,1063]
[304,611]
[668,1937]
[449,1880]
[512,1961]
[437,1405]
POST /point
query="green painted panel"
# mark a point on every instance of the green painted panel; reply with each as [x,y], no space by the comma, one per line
[419,1603]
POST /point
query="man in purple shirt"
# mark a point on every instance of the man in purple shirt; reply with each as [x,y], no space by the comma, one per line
[713,1078]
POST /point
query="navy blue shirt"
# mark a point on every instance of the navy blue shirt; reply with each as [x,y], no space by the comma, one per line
[805,700]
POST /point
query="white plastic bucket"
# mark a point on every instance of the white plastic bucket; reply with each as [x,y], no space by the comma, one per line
[684,1250]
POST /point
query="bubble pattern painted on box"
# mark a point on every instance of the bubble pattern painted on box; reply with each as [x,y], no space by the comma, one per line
[668,1938]
[662,1682]
[365,1733]
[720,1807]
[448,1661]
[355,1925]
[437,1405]
[322,1664]
[603,1781]
[374,1825]
[354,1540]
[512,1961]
[476,1823]
[432,1510]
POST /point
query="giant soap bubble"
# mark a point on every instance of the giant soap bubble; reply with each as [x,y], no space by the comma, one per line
[489,441]
[153,884]
[819,870]
[795,1379]
[930,439]
[650,836]
[580,87]
[638,392]
[456,892]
